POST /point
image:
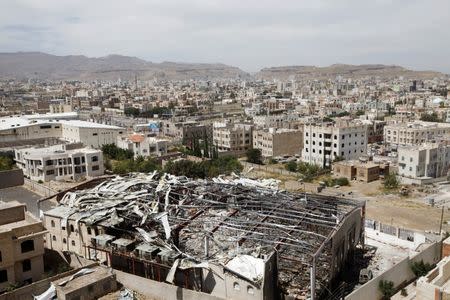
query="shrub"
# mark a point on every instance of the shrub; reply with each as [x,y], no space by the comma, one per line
[420,268]
[386,288]
[391,181]
[291,166]
[342,181]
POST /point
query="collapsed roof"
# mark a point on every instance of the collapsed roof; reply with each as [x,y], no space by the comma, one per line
[236,217]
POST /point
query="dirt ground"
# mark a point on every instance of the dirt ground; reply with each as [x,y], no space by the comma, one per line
[412,211]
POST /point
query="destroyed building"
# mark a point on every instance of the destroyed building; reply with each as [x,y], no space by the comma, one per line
[236,238]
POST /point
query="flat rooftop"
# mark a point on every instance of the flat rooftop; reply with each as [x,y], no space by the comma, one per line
[82,281]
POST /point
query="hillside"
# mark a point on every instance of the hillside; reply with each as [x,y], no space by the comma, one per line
[353,71]
[111,67]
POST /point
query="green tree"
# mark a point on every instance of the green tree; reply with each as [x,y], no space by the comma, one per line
[131,111]
[254,156]
[111,151]
[6,163]
[391,181]
[123,166]
[291,166]
[433,117]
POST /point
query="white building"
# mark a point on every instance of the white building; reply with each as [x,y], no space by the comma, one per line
[16,129]
[60,162]
[143,144]
[414,133]
[323,143]
[430,160]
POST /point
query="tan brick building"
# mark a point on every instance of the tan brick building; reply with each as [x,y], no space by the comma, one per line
[277,142]
[21,245]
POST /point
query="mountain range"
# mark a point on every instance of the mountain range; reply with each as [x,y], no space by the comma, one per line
[22,65]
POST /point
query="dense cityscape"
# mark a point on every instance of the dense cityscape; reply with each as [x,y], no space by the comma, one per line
[122,178]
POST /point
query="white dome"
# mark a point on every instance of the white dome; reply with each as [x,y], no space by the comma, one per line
[437,100]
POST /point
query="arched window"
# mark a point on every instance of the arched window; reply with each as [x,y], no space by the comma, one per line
[64,241]
[250,290]
[54,238]
[52,223]
[236,286]
[71,228]
[73,243]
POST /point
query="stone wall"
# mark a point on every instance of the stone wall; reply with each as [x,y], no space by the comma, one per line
[11,178]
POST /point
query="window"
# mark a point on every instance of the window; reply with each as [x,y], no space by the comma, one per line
[71,228]
[91,288]
[26,265]
[52,223]
[73,243]
[89,231]
[50,172]
[3,276]
[27,246]
[64,241]
[94,158]
[95,168]
[250,290]
[54,238]
[49,162]
[236,286]
[95,134]
[107,286]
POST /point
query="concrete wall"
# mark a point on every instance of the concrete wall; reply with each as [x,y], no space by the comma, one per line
[399,274]
[266,168]
[37,288]
[11,178]
[39,188]
[159,290]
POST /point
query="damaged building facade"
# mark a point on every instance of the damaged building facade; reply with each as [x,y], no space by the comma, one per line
[230,238]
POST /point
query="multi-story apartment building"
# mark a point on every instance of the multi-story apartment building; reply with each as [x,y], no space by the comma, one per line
[57,108]
[430,160]
[232,137]
[290,121]
[143,144]
[185,130]
[277,142]
[414,133]
[21,245]
[60,162]
[323,143]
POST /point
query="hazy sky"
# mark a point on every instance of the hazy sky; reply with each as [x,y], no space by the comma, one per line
[246,33]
